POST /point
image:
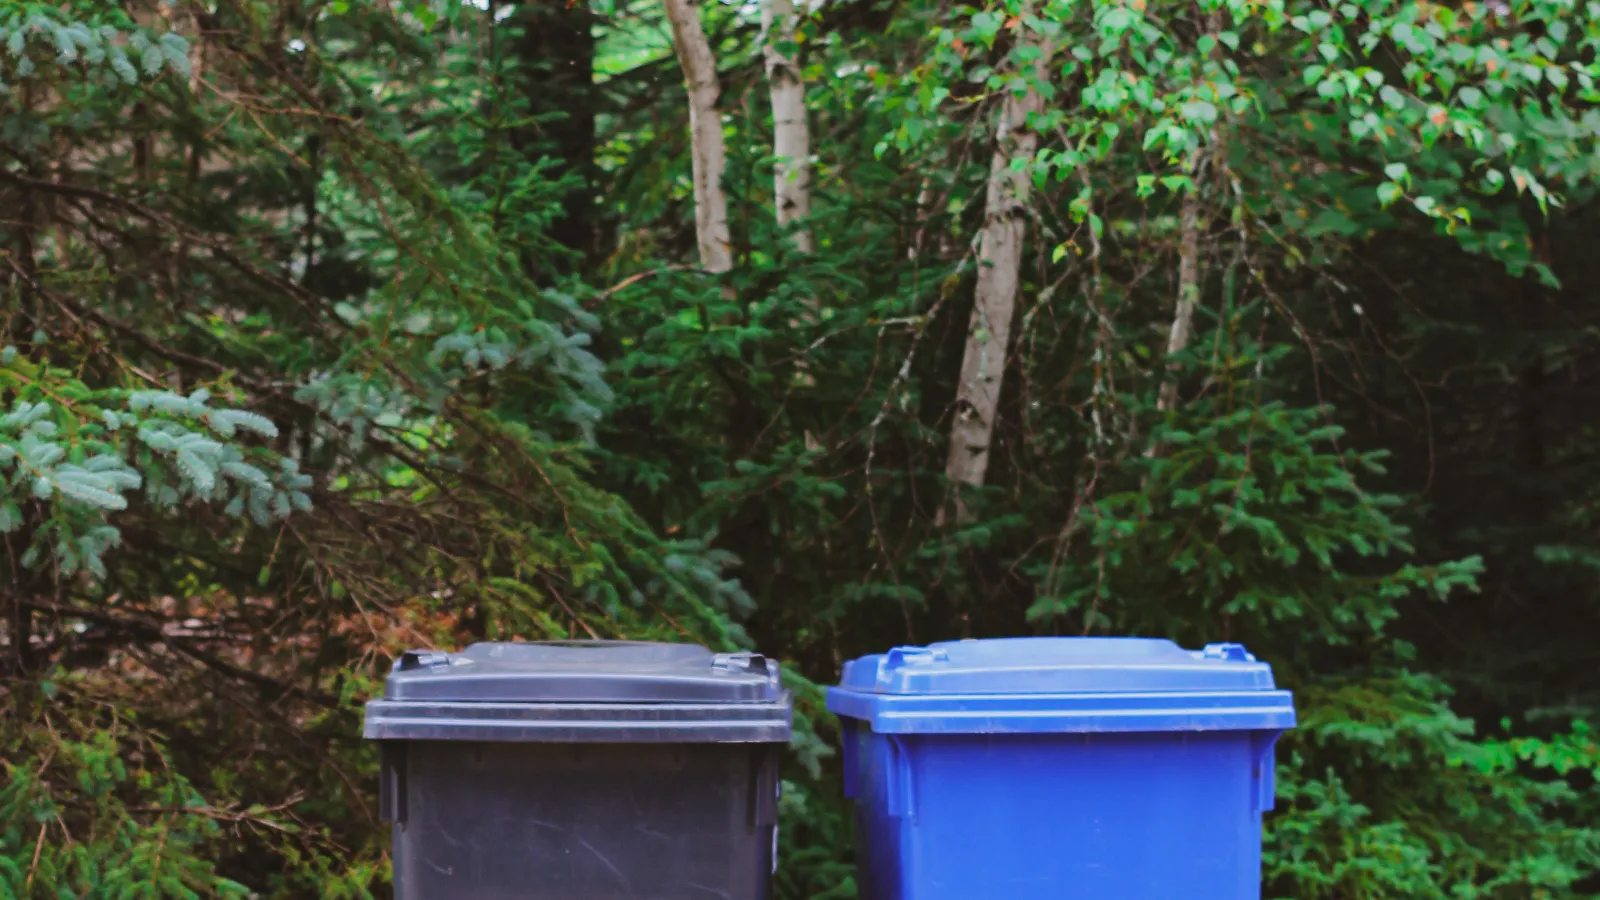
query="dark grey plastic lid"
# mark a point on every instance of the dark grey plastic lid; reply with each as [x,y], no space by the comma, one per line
[582,691]
[584,672]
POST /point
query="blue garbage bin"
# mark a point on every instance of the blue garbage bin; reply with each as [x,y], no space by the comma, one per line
[1045,768]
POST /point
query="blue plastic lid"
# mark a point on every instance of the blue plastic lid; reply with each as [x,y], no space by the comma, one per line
[1056,665]
[1061,684]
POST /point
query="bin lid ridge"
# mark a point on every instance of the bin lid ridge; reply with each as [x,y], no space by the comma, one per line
[584,672]
[1053,684]
[1057,665]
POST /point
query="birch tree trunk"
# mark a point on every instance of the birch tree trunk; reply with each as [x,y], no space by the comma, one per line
[1188,286]
[791,134]
[1000,264]
[705,135]
[1189,256]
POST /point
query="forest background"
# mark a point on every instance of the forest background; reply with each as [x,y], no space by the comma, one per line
[336,327]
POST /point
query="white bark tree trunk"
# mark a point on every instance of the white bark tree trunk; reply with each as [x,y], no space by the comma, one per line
[1189,256]
[1188,287]
[1000,265]
[791,134]
[705,135]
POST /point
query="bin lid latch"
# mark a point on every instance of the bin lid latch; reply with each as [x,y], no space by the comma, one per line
[742,662]
[421,659]
[900,657]
[1229,652]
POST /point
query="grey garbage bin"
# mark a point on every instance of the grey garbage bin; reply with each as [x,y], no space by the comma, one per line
[581,769]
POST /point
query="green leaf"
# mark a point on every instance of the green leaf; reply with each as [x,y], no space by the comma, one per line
[1388,192]
[1200,112]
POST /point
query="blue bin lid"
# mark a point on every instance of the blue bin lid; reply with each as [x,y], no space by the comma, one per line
[1062,684]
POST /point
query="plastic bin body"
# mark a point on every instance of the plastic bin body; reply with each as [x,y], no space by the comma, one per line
[550,790]
[1085,782]
[586,820]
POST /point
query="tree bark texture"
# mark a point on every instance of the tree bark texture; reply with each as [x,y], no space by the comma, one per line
[1188,288]
[705,135]
[1189,228]
[791,133]
[1000,264]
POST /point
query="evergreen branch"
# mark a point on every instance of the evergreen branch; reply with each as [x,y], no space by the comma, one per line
[153,631]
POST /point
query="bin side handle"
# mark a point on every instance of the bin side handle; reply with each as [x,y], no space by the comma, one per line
[901,799]
[392,782]
[1266,769]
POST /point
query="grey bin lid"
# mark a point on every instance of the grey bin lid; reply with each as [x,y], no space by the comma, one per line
[582,691]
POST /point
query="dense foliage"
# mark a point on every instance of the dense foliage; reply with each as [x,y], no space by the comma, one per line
[333,328]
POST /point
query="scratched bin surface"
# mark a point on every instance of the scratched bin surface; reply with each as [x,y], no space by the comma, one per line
[583,769]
